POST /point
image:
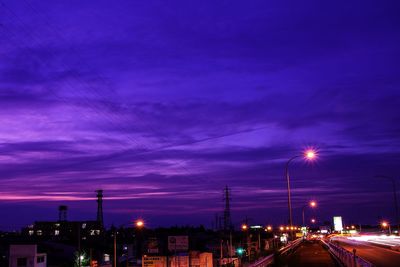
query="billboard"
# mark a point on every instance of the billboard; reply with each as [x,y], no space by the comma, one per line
[337,223]
[178,261]
[178,243]
[154,261]
[200,259]
[152,245]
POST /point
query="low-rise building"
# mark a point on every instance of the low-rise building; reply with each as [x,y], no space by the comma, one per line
[26,256]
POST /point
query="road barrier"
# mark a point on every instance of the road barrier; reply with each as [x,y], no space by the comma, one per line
[264,262]
[345,257]
[291,246]
[269,260]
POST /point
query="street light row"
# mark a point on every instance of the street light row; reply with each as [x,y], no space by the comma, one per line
[269,228]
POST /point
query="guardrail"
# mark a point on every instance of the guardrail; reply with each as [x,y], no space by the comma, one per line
[292,245]
[345,257]
[269,260]
[264,262]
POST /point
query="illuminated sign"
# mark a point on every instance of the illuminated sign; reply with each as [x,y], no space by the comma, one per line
[154,261]
[337,223]
[178,243]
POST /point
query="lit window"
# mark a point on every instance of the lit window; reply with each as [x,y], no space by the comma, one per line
[39,232]
[40,259]
[31,232]
[57,232]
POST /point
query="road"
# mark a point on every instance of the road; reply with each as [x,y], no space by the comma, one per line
[378,256]
[383,240]
[309,254]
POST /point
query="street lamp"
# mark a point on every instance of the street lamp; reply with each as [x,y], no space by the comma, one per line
[386,225]
[244,227]
[138,223]
[308,155]
[396,207]
[311,204]
[313,220]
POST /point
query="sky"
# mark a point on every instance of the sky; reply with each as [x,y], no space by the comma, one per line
[164,103]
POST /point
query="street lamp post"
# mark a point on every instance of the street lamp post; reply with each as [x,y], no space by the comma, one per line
[309,154]
[138,224]
[386,224]
[288,189]
[245,228]
[396,207]
[312,204]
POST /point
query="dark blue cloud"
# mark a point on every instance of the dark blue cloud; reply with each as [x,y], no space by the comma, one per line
[163,104]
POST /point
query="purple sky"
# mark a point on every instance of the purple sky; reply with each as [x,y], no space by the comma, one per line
[162,104]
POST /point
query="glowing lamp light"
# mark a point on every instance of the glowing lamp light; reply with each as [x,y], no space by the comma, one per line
[281,228]
[139,223]
[313,204]
[310,154]
[384,224]
[269,228]
[244,227]
[313,220]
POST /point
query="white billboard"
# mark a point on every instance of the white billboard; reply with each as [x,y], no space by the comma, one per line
[337,223]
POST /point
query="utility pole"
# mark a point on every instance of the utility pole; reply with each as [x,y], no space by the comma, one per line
[396,207]
[115,247]
[227,210]
[79,244]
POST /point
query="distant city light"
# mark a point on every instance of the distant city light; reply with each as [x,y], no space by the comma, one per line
[244,227]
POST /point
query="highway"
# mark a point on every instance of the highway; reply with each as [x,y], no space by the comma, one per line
[388,241]
[378,256]
[308,254]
